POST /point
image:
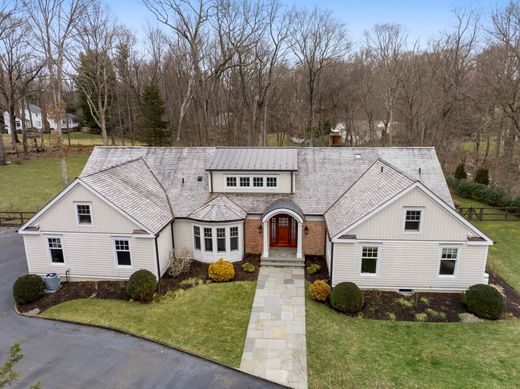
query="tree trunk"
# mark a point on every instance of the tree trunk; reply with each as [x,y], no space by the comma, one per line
[505,166]
[12,121]
[24,130]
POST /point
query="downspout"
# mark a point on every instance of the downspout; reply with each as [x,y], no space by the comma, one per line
[211,181]
[331,262]
[157,258]
[173,238]
[292,189]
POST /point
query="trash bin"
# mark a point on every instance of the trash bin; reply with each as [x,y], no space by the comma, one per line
[52,282]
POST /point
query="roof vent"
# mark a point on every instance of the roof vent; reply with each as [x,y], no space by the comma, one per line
[382,167]
[419,170]
[199,178]
[357,156]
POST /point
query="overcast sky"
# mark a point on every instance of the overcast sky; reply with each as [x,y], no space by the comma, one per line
[420,18]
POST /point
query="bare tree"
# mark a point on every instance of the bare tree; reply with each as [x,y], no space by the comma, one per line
[53,25]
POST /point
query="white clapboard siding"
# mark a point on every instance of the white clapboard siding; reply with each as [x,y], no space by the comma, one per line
[182,231]
[436,223]
[165,247]
[62,217]
[412,265]
[219,182]
[89,256]
[328,247]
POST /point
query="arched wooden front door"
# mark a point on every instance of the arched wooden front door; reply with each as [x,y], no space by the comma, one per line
[283,231]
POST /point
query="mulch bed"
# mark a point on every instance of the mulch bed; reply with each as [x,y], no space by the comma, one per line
[381,305]
[117,289]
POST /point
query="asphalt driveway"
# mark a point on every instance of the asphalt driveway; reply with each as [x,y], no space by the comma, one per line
[62,355]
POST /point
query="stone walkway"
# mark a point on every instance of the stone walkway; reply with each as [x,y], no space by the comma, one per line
[275,346]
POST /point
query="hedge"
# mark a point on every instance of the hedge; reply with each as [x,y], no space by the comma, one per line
[490,195]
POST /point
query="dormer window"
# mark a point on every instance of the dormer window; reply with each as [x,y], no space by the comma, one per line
[84,214]
[272,182]
[231,181]
[258,182]
[413,220]
[244,181]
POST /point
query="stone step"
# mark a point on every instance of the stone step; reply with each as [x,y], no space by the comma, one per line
[282,262]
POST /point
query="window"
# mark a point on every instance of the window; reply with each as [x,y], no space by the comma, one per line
[196,237]
[231,181]
[244,181]
[272,182]
[448,261]
[233,234]
[369,260]
[123,253]
[84,216]
[258,182]
[208,239]
[221,239]
[56,250]
[413,220]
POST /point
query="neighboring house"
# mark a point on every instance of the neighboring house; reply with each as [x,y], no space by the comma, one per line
[382,217]
[34,118]
[361,130]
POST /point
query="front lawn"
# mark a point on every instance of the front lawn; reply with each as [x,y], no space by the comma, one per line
[29,185]
[210,320]
[504,257]
[346,352]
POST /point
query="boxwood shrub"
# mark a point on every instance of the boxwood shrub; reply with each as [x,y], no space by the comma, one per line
[346,297]
[28,289]
[488,194]
[484,301]
[141,286]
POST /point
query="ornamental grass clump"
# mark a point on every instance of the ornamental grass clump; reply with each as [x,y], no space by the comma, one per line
[221,271]
[319,290]
[248,267]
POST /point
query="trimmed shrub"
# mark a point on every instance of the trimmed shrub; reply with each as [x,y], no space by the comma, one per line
[141,286]
[460,172]
[491,195]
[484,301]
[482,176]
[319,290]
[346,297]
[313,268]
[248,267]
[221,271]
[28,289]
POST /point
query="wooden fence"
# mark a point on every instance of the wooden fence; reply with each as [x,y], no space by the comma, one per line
[14,219]
[490,214]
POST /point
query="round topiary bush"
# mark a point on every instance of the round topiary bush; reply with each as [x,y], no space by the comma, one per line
[319,290]
[346,297]
[221,271]
[484,301]
[28,289]
[141,286]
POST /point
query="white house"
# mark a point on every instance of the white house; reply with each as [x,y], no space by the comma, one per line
[382,217]
[35,119]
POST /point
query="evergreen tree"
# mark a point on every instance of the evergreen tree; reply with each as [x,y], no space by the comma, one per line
[482,176]
[460,172]
[152,129]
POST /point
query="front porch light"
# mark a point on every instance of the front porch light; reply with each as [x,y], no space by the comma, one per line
[306,230]
[260,229]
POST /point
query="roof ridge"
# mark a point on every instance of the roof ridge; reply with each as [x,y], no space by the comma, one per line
[115,166]
[160,184]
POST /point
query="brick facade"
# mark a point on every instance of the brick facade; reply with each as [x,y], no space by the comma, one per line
[313,241]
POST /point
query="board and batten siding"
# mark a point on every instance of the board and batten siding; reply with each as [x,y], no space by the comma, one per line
[436,223]
[62,216]
[409,265]
[284,182]
[89,256]
[164,247]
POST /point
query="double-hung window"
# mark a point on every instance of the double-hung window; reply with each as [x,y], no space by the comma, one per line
[449,258]
[271,182]
[221,239]
[84,215]
[231,181]
[369,258]
[413,220]
[122,247]
[196,237]
[244,181]
[208,239]
[233,238]
[56,250]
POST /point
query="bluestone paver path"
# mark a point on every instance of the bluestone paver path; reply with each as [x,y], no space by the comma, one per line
[275,346]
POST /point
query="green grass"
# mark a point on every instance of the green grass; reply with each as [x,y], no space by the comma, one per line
[29,185]
[210,320]
[345,352]
[504,255]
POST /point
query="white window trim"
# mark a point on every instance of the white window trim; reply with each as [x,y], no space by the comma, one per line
[277,181]
[377,260]
[226,181]
[229,238]
[214,238]
[78,224]
[249,181]
[420,221]
[251,187]
[131,266]
[47,237]
[201,232]
[455,271]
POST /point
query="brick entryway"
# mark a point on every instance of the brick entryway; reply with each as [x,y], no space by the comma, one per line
[275,346]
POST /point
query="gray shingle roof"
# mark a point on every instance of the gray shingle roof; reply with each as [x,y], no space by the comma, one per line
[380,183]
[134,189]
[219,209]
[324,173]
[258,159]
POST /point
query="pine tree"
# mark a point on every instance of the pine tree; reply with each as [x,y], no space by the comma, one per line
[460,172]
[152,127]
[482,176]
